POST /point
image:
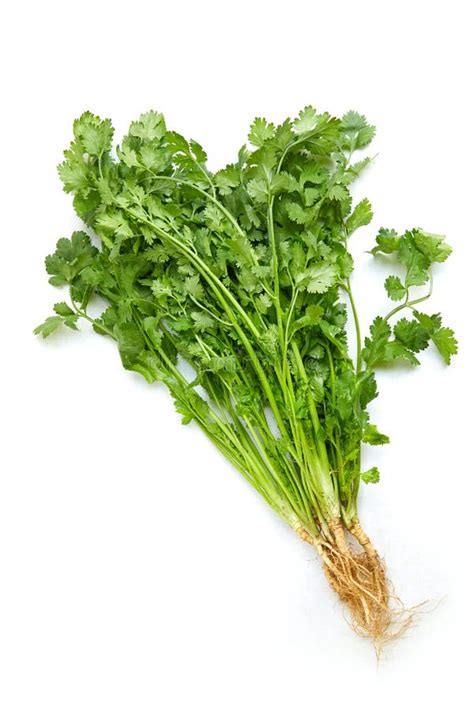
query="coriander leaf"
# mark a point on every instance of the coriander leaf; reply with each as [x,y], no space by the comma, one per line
[353,171]
[46,328]
[375,347]
[258,190]
[130,343]
[387,241]
[62,309]
[357,133]
[227,179]
[371,435]
[394,288]
[396,350]
[361,215]
[430,323]
[338,192]
[307,120]
[432,246]
[260,132]
[296,213]
[446,343]
[202,321]
[371,476]
[70,258]
[150,126]
[411,334]
[320,278]
[416,262]
[94,134]
[129,156]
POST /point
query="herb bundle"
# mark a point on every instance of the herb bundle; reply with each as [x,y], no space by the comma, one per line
[244,274]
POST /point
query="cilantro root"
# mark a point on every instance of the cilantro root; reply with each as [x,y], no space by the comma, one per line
[245,274]
[359,579]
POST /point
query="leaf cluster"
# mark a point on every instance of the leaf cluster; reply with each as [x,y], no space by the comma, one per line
[244,274]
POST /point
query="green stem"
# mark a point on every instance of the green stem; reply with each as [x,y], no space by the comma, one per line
[410,303]
[205,194]
[321,469]
[222,293]
[348,290]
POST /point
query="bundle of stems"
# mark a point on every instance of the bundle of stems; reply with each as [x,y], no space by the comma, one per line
[245,275]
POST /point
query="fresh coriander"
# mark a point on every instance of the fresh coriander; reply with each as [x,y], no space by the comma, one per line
[245,274]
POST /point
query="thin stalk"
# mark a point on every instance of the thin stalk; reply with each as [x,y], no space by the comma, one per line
[205,194]
[347,288]
[320,463]
[221,293]
[410,303]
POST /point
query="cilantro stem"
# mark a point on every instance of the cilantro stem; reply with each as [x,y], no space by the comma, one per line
[410,303]
[222,293]
[83,314]
[202,192]
[348,290]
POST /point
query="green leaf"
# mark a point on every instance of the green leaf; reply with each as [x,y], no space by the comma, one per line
[202,322]
[432,246]
[394,288]
[375,347]
[258,190]
[283,182]
[114,223]
[71,321]
[366,387]
[150,126]
[296,213]
[354,171]
[260,132]
[227,179]
[357,133]
[396,350]
[416,262]
[46,328]
[446,343]
[62,309]
[129,156]
[387,241]
[339,193]
[94,134]
[312,317]
[130,343]
[70,258]
[371,476]
[372,436]
[307,120]
[149,365]
[411,334]
[320,278]
[74,174]
[361,215]
[430,323]
[311,196]
[193,287]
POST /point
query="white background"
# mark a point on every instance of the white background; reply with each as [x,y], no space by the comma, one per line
[137,569]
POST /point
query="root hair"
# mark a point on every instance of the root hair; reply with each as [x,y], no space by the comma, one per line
[360,581]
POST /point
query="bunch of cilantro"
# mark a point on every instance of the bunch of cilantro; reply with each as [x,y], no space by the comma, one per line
[244,274]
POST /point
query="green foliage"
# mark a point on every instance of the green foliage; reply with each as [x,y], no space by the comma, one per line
[417,251]
[362,215]
[240,274]
[394,288]
[371,476]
